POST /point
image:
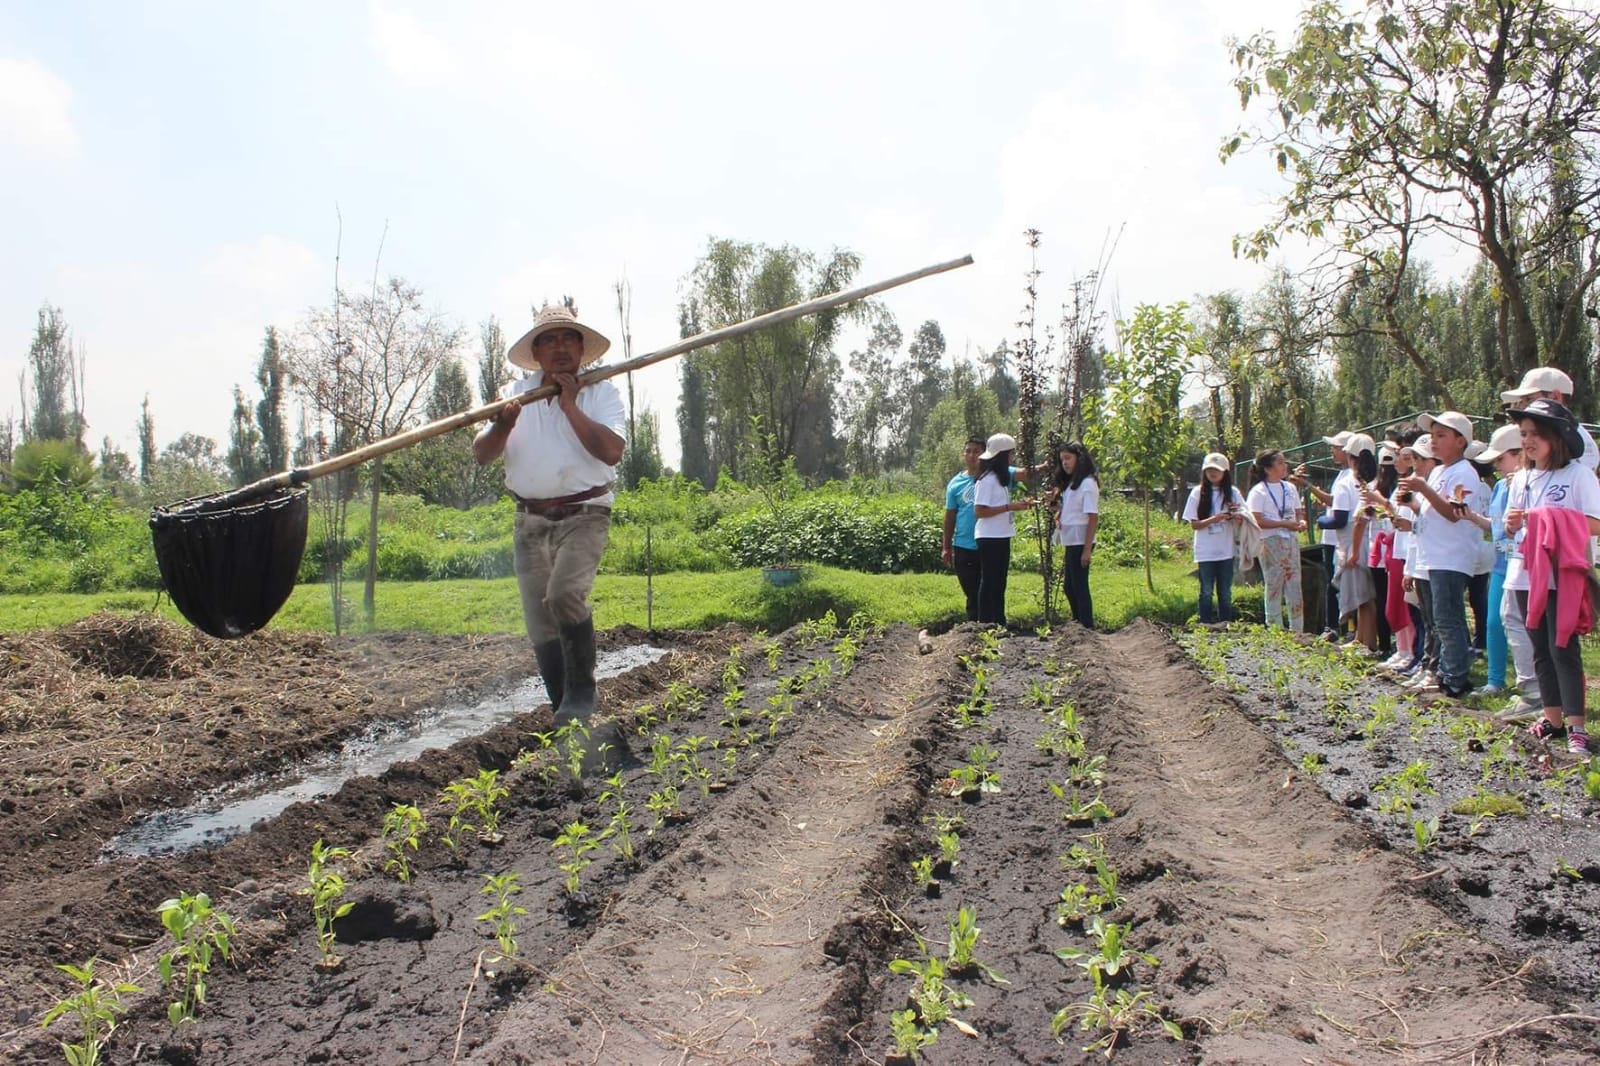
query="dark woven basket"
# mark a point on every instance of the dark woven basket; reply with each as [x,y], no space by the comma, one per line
[229,567]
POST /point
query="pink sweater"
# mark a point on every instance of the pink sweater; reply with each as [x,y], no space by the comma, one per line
[1559,537]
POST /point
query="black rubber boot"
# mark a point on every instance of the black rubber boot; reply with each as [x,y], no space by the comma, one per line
[607,749]
[552,668]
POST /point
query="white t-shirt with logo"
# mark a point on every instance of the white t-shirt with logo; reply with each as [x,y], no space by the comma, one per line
[1276,502]
[988,492]
[1347,498]
[1574,486]
[1441,543]
[1213,543]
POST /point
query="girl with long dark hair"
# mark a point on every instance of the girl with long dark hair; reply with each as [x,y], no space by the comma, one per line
[1214,510]
[992,503]
[1077,495]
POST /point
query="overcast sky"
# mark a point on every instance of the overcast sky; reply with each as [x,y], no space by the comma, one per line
[171,171]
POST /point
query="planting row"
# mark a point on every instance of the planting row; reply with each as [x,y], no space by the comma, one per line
[1506,828]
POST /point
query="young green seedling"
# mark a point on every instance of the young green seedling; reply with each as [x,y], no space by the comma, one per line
[663,804]
[325,886]
[962,956]
[1111,1014]
[621,828]
[910,1039]
[1112,954]
[403,828]
[94,1008]
[202,933]
[922,870]
[574,837]
[504,913]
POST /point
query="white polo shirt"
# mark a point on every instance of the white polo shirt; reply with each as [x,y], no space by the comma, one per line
[544,458]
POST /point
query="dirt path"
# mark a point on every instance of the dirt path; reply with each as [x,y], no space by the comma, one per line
[1281,924]
[744,946]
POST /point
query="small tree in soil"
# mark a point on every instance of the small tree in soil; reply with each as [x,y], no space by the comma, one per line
[1136,427]
[203,934]
[95,1007]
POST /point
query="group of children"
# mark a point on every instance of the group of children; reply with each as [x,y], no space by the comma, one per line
[1413,531]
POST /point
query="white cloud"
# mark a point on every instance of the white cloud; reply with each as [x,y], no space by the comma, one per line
[35,109]
[409,49]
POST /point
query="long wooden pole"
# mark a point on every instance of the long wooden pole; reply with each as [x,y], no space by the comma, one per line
[301,475]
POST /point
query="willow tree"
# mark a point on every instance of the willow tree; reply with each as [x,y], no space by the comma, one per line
[1410,120]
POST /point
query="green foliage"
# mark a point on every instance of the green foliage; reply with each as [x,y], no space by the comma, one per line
[504,913]
[403,828]
[94,1007]
[202,934]
[325,886]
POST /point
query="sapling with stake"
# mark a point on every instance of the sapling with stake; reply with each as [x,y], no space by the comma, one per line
[94,1007]
[203,933]
[403,828]
[325,886]
[504,913]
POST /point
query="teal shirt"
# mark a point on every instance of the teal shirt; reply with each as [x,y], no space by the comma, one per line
[958,498]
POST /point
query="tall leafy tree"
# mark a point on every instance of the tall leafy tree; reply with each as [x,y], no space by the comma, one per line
[693,413]
[920,381]
[1472,120]
[493,370]
[272,375]
[245,450]
[869,402]
[147,442]
[784,375]
[55,368]
[115,466]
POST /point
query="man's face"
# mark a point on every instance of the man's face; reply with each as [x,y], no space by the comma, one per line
[559,351]
[969,454]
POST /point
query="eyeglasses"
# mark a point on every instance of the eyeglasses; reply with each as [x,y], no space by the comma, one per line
[558,336]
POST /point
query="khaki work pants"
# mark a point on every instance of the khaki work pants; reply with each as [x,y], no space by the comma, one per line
[555,564]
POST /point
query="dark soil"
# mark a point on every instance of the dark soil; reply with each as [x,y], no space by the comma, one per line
[758,925]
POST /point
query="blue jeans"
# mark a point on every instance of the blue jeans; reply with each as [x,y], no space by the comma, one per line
[1216,574]
[1449,588]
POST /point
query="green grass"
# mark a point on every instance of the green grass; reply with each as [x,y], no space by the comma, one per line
[681,601]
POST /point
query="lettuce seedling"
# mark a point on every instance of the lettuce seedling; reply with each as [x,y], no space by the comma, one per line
[403,828]
[922,870]
[202,933]
[1111,1014]
[962,954]
[1112,954]
[504,913]
[95,1007]
[910,1039]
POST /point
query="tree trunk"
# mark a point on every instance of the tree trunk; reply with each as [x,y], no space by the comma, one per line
[369,594]
[1149,581]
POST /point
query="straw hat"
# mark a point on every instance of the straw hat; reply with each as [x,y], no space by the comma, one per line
[557,316]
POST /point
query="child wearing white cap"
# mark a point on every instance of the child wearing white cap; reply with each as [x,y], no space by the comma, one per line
[1214,510]
[1505,452]
[1281,515]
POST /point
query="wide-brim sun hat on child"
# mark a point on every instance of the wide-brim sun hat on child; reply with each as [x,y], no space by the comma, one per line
[1216,461]
[1554,414]
[1508,438]
[557,316]
[1000,442]
[1539,379]
[1449,419]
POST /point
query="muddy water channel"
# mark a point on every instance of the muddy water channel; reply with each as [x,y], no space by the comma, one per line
[1505,833]
[229,811]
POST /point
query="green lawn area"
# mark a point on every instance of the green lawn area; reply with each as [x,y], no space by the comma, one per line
[680,600]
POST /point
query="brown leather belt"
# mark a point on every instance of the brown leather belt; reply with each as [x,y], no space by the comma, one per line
[561,507]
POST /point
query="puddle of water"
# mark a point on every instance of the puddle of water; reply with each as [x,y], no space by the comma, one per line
[228,812]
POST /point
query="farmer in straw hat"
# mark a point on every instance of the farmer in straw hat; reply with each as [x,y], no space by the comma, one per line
[561,455]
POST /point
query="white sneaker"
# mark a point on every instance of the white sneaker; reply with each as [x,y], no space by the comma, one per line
[1395,661]
[1521,707]
[1429,683]
[1489,690]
